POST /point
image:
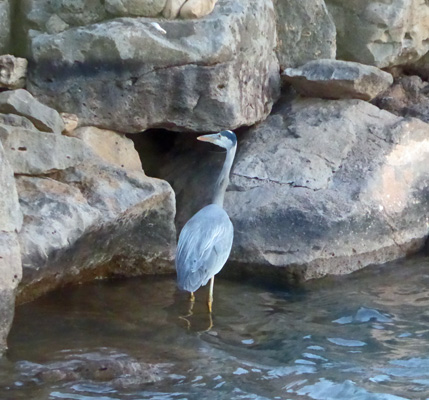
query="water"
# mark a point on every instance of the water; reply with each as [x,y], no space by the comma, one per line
[363,336]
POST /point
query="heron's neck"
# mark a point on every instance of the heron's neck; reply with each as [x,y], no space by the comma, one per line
[223,180]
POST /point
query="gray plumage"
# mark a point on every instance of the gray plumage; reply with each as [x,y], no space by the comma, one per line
[206,240]
[204,246]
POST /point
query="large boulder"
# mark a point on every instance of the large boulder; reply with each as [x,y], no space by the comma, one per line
[10,255]
[202,75]
[320,187]
[334,79]
[5,25]
[305,32]
[381,33]
[90,221]
[88,210]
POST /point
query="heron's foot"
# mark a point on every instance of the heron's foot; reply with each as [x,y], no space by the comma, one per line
[210,324]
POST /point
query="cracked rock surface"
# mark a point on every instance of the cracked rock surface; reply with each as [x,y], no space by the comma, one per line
[201,75]
[320,187]
[381,33]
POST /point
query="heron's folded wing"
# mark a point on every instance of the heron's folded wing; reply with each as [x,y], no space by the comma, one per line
[203,248]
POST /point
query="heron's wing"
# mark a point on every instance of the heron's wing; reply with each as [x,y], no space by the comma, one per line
[204,246]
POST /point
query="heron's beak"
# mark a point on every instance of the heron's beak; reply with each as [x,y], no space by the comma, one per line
[208,138]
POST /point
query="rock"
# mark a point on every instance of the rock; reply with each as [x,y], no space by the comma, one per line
[22,103]
[70,121]
[53,16]
[10,212]
[172,8]
[112,147]
[17,121]
[305,32]
[138,8]
[93,220]
[333,79]
[10,256]
[114,369]
[321,187]
[203,75]
[378,33]
[197,8]
[11,272]
[420,68]
[13,72]
[5,22]
[56,25]
[407,97]
[36,153]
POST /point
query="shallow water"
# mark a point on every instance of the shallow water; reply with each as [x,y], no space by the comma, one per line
[364,336]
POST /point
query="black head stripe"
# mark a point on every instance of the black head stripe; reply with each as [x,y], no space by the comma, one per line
[230,135]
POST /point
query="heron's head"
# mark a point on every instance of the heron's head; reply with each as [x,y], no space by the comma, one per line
[225,139]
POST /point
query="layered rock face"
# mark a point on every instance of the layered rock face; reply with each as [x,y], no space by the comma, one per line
[381,33]
[321,187]
[88,208]
[203,75]
[305,32]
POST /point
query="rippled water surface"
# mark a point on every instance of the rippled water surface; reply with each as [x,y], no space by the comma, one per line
[364,336]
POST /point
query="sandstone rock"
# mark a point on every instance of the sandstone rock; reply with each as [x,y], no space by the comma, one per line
[203,75]
[320,187]
[112,147]
[172,8]
[197,8]
[333,79]
[93,220]
[378,33]
[407,97]
[5,22]
[305,32]
[13,72]
[139,8]
[22,103]
[71,122]
[10,256]
[35,153]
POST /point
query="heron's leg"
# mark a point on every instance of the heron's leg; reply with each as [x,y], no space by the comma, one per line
[210,299]
[192,298]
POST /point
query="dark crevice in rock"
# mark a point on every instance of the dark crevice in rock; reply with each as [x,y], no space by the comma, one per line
[154,147]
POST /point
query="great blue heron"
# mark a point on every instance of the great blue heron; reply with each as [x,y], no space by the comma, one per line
[206,239]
